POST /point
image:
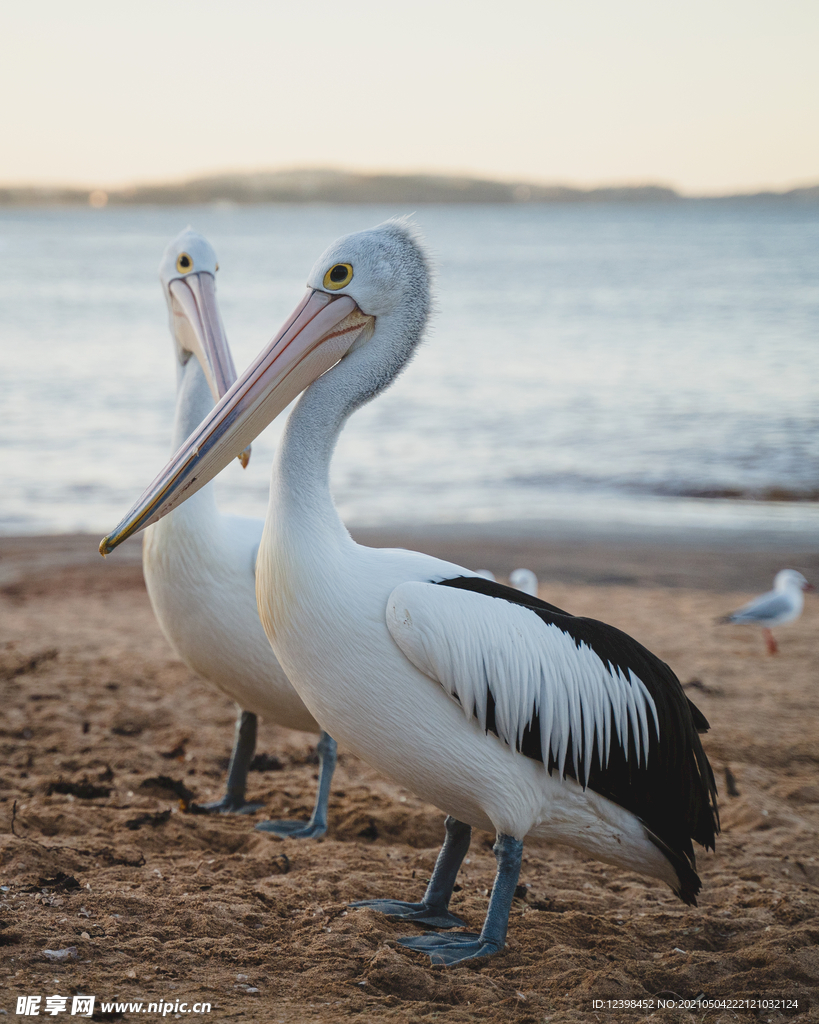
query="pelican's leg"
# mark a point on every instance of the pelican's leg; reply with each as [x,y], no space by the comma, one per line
[317,825]
[433,909]
[451,949]
[244,745]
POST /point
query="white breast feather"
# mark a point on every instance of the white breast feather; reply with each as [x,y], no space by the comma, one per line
[470,643]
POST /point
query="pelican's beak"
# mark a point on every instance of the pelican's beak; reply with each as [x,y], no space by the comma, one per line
[321,330]
[198,328]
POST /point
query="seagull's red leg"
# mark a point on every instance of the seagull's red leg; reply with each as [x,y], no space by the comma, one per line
[770,641]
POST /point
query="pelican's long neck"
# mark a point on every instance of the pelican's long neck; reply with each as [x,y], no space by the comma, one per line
[193,402]
[300,496]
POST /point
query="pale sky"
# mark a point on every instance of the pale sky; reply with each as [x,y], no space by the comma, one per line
[706,95]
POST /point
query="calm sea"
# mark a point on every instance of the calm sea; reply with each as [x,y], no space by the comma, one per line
[599,364]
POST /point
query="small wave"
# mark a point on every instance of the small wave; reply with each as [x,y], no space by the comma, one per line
[669,489]
[782,494]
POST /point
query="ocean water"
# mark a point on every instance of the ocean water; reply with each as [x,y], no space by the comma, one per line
[610,364]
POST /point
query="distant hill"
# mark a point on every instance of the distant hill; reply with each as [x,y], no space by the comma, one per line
[331,186]
[807,194]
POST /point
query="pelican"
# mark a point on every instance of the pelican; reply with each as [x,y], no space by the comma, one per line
[507,713]
[525,581]
[777,607]
[199,566]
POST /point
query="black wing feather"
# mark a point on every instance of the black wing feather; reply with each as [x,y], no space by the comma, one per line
[674,794]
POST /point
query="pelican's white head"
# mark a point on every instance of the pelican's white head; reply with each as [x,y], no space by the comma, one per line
[386,272]
[366,307]
[188,253]
[379,269]
[187,271]
[787,579]
[188,275]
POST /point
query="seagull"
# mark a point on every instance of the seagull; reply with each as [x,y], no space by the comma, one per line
[199,565]
[525,581]
[779,606]
[509,714]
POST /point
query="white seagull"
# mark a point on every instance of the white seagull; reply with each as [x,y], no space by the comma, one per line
[525,581]
[199,565]
[507,713]
[779,606]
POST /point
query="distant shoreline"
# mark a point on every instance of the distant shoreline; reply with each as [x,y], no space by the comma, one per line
[737,561]
[313,186]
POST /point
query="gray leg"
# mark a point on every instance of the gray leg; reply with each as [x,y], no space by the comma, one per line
[244,745]
[452,949]
[433,909]
[317,825]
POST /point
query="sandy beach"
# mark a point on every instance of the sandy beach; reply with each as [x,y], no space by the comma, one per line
[104,727]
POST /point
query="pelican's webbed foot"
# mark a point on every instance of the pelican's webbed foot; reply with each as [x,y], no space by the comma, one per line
[317,825]
[452,949]
[231,803]
[420,913]
[433,909]
[293,828]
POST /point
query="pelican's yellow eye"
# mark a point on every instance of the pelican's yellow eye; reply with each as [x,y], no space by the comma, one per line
[184,264]
[337,276]
[217,266]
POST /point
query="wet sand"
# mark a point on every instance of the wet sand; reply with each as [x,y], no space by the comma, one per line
[158,904]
